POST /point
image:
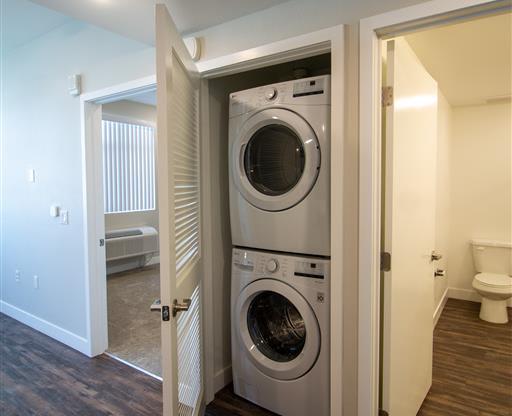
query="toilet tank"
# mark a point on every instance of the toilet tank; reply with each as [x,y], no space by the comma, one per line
[492,256]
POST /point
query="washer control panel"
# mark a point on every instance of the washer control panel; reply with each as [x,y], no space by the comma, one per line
[265,264]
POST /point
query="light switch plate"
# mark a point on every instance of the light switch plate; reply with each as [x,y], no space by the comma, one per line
[31,175]
[64,217]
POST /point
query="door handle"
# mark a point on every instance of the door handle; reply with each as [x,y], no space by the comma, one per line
[180,307]
[435,256]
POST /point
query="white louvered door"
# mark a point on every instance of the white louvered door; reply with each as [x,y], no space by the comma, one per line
[179,213]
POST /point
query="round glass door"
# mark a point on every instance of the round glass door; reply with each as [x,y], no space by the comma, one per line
[276,326]
[275,159]
[277,329]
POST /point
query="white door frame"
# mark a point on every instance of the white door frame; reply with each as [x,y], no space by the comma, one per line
[93,216]
[322,41]
[299,47]
[372,30]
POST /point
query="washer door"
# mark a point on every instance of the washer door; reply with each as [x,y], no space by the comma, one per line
[277,329]
[276,159]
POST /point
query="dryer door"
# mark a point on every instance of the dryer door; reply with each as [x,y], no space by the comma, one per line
[278,330]
[275,160]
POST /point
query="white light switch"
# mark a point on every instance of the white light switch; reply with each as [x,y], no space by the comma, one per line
[64,217]
[31,175]
[36,282]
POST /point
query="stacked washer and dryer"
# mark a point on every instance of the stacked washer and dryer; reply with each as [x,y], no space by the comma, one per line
[280,224]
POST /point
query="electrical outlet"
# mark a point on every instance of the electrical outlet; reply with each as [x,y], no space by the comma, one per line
[36,282]
[17,275]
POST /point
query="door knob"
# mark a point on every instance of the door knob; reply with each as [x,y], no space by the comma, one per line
[435,256]
[180,307]
[439,273]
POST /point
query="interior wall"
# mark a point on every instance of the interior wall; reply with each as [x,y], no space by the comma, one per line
[443,192]
[288,19]
[481,185]
[221,245]
[41,131]
[136,112]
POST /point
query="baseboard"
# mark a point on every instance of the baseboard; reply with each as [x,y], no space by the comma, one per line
[440,307]
[222,378]
[468,294]
[53,331]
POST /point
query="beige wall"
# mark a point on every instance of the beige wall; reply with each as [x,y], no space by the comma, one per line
[444,133]
[481,184]
[129,110]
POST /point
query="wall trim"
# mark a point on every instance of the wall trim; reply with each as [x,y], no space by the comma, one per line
[468,294]
[222,378]
[56,332]
[440,307]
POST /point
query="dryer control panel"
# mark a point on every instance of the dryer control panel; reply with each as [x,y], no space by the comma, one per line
[307,91]
[277,265]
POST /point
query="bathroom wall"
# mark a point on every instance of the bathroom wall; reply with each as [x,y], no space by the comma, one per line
[137,112]
[481,186]
[443,202]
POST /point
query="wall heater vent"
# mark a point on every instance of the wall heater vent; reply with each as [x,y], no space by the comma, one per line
[131,242]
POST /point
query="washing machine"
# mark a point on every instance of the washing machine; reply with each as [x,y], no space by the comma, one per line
[280,331]
[279,160]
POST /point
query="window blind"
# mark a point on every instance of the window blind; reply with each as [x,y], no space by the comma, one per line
[128,167]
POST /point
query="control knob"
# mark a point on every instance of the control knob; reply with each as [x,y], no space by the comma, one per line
[270,93]
[272,265]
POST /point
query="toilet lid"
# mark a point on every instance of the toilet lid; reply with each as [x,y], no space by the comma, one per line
[493,279]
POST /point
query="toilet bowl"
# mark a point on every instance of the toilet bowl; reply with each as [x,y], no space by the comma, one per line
[493,281]
[495,290]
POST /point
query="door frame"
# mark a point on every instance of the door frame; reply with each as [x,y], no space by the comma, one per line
[303,46]
[372,31]
[93,214]
[299,47]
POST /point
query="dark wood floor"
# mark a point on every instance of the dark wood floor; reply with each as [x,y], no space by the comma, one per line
[472,373]
[40,376]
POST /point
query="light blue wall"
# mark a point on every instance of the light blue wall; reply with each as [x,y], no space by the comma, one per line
[41,130]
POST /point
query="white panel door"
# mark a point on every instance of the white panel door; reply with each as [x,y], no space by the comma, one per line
[179,215]
[409,207]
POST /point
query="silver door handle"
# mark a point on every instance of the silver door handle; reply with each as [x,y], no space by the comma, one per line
[180,307]
[435,256]
[440,273]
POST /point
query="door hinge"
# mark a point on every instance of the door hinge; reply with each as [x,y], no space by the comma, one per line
[383,413]
[102,242]
[385,261]
[387,96]
[166,315]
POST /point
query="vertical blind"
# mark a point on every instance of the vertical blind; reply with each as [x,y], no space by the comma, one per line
[128,167]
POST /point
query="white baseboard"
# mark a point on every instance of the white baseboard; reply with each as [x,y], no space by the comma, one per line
[56,332]
[468,294]
[440,307]
[222,378]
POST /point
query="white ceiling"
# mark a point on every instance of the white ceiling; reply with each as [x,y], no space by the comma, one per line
[135,18]
[470,61]
[23,21]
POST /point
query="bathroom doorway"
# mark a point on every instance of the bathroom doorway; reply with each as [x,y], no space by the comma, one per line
[446,181]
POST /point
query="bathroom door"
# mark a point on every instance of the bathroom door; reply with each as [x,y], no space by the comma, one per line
[409,143]
[179,215]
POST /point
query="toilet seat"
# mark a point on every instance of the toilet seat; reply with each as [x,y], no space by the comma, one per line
[494,280]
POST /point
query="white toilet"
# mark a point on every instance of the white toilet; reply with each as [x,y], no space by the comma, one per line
[493,281]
